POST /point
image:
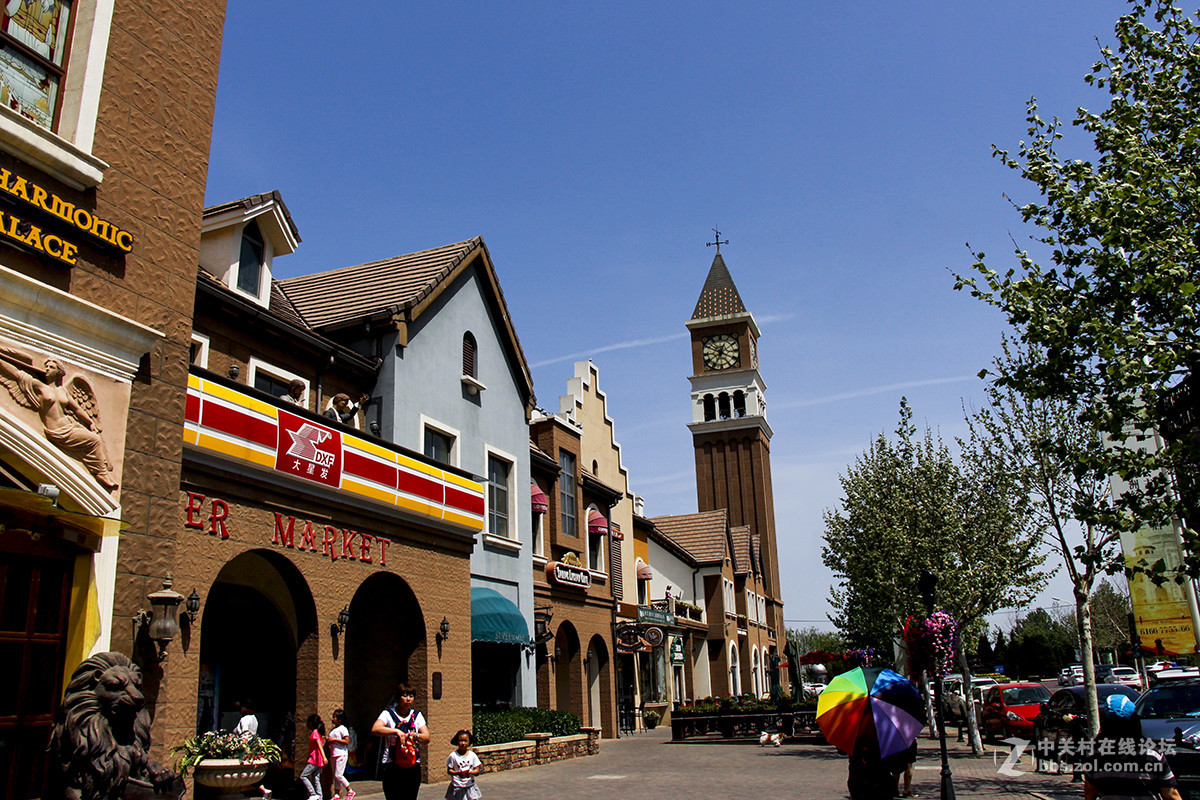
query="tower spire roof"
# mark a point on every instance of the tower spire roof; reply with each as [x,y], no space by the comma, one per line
[719,296]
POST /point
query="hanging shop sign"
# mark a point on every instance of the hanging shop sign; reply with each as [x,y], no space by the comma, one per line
[656,616]
[210,515]
[30,198]
[630,640]
[676,649]
[235,426]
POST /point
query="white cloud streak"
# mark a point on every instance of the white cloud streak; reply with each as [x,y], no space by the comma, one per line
[674,337]
[873,390]
[610,347]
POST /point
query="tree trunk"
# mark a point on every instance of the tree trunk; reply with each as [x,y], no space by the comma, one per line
[969,705]
[929,710]
[1083,615]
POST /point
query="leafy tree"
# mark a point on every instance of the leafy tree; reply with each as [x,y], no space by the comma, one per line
[811,639]
[1046,445]
[1111,303]
[907,505]
[1110,617]
[1001,648]
[1040,645]
[984,655]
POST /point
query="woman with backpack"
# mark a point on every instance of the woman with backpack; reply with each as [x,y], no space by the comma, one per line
[404,731]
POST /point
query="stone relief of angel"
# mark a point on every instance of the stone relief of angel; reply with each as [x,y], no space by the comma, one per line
[70,414]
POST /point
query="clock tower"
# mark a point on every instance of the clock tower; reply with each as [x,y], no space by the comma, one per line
[730,433]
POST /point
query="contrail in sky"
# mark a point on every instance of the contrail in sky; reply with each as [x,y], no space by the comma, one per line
[608,347]
[891,387]
[766,319]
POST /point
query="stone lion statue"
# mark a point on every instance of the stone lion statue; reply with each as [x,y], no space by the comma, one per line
[101,738]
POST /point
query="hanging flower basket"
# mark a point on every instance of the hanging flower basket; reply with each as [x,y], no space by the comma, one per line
[932,642]
[859,658]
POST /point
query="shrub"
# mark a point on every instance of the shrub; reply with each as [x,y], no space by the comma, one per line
[243,747]
[497,727]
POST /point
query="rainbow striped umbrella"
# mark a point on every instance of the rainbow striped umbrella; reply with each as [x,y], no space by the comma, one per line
[871,708]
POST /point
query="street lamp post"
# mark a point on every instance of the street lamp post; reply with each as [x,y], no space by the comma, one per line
[928,588]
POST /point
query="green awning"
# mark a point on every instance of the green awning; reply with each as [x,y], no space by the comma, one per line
[494,618]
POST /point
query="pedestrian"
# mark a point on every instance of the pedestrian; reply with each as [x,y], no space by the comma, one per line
[1125,768]
[339,750]
[248,725]
[462,765]
[311,776]
[901,766]
[868,777]
[405,731]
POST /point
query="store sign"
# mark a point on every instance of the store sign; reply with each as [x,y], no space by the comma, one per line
[630,640]
[655,616]
[229,423]
[567,575]
[211,515]
[676,649]
[308,450]
[29,196]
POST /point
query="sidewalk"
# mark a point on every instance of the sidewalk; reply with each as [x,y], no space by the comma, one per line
[648,765]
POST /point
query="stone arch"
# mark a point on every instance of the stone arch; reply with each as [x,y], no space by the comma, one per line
[258,641]
[568,670]
[385,644]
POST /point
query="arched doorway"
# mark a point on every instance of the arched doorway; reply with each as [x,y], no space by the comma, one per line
[567,670]
[385,645]
[600,689]
[259,622]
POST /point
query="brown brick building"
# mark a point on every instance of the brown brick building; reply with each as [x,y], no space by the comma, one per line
[326,558]
[105,119]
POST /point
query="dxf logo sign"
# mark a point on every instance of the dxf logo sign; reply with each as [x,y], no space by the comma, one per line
[308,450]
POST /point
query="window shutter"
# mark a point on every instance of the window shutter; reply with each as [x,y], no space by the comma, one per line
[468,365]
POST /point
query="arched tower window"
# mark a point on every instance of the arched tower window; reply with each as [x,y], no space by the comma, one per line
[739,404]
[710,408]
[468,355]
[723,405]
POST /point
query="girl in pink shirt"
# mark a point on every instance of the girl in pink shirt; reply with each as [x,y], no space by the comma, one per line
[311,776]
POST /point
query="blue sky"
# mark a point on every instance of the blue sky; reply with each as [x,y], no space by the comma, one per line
[843,151]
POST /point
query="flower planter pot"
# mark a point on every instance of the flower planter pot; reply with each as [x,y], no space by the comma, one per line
[229,775]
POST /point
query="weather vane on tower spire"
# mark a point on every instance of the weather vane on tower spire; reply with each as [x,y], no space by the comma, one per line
[718,242]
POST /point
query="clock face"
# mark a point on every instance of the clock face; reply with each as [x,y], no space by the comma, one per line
[720,351]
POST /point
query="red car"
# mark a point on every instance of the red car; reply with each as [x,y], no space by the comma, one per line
[1009,708]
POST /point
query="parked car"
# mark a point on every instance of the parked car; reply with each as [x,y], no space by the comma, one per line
[1173,674]
[1069,674]
[1009,708]
[1171,706]
[1064,716]
[954,701]
[1126,676]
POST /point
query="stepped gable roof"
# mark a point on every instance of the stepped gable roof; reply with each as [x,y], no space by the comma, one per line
[400,289]
[703,535]
[742,550]
[719,297]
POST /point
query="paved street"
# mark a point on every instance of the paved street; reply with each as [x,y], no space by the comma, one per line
[648,765]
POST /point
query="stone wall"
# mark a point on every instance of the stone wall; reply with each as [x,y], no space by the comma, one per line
[538,748]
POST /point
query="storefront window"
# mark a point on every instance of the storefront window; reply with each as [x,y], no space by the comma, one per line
[652,668]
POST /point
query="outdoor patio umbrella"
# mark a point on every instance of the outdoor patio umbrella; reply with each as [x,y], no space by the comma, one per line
[870,707]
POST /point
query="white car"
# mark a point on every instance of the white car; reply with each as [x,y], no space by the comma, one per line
[954,703]
[1073,676]
[1126,676]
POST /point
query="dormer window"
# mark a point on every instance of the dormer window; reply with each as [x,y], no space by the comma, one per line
[250,263]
